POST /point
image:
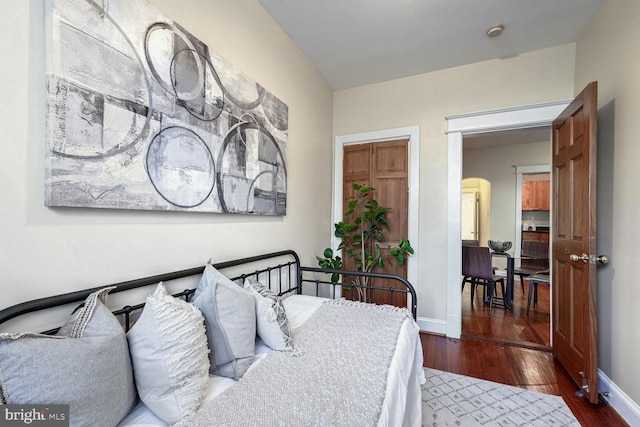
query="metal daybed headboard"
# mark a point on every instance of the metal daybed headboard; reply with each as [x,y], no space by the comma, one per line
[284,276]
[399,293]
[289,270]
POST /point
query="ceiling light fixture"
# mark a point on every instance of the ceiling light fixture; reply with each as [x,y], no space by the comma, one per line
[495,31]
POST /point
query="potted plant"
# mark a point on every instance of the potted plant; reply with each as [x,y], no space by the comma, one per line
[360,237]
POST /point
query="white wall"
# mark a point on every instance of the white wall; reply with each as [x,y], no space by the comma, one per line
[425,100]
[608,53]
[45,251]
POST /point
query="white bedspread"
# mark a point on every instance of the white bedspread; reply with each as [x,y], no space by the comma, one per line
[402,405]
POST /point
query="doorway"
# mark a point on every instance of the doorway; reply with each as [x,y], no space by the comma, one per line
[382,165]
[476,203]
[411,133]
[492,157]
[466,125]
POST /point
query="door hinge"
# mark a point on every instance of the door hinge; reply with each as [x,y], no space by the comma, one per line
[585,386]
[585,382]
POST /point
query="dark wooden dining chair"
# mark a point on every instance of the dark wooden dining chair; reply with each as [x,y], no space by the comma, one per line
[478,270]
[466,269]
[535,258]
[540,278]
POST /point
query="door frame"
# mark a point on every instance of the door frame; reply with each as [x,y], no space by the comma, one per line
[522,117]
[413,134]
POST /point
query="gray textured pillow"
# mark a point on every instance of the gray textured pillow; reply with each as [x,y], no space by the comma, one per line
[86,366]
[271,317]
[230,317]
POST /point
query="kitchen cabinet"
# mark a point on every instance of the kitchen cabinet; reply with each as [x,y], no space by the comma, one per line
[535,236]
[536,195]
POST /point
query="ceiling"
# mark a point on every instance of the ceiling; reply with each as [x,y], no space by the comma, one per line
[358,42]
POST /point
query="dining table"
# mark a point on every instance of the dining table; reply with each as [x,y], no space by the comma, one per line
[507,300]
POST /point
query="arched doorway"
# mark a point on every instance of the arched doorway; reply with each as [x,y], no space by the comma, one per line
[476,203]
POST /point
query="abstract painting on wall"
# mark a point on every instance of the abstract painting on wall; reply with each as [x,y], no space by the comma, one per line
[143,115]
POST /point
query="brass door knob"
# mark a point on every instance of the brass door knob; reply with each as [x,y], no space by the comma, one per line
[584,258]
[600,259]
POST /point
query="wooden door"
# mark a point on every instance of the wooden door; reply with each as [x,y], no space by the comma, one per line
[470,215]
[384,166]
[574,241]
[357,165]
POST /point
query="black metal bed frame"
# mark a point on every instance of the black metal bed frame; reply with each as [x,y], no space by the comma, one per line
[282,278]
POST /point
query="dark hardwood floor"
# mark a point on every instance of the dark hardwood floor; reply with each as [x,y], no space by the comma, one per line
[511,326]
[512,348]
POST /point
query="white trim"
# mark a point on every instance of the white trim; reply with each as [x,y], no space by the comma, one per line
[623,404]
[433,326]
[413,133]
[454,235]
[518,234]
[467,124]
[533,169]
[527,116]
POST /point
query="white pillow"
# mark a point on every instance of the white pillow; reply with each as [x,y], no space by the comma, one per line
[271,317]
[230,316]
[170,356]
[85,366]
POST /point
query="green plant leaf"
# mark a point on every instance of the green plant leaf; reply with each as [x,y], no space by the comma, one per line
[366,225]
[349,227]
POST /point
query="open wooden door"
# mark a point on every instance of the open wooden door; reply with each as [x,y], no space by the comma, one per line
[575,343]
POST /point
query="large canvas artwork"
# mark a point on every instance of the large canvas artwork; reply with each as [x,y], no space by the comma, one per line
[143,115]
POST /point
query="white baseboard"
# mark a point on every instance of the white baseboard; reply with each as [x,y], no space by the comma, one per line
[433,326]
[623,405]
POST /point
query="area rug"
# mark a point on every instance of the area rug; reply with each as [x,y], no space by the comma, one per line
[457,400]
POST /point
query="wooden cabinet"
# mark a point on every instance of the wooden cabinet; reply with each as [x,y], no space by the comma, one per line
[536,196]
[535,236]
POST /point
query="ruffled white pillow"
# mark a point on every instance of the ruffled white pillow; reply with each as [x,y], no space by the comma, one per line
[170,357]
[271,317]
